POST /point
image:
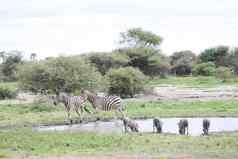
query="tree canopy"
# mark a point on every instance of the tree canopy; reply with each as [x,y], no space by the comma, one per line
[140,37]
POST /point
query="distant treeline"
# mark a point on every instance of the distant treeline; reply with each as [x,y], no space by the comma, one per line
[122,71]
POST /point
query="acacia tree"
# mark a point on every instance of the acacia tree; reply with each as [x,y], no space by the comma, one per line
[139,37]
[142,50]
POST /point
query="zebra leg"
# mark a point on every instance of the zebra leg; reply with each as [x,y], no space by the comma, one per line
[125,126]
[67,107]
[77,111]
[69,117]
[82,112]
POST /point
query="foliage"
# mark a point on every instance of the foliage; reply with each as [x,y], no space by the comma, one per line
[149,60]
[216,54]
[63,73]
[125,81]
[138,37]
[7,93]
[10,63]
[224,73]
[232,59]
[204,69]
[106,61]
[182,62]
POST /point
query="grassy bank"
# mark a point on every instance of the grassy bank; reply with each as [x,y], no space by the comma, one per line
[36,113]
[26,141]
[193,81]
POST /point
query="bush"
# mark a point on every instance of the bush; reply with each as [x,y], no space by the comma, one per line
[6,93]
[126,81]
[204,69]
[106,61]
[182,62]
[224,73]
[10,64]
[62,73]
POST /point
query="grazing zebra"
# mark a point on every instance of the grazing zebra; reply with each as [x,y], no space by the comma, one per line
[206,125]
[157,125]
[78,102]
[183,126]
[106,103]
[129,123]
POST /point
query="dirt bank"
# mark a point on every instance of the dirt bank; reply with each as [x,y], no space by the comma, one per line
[170,92]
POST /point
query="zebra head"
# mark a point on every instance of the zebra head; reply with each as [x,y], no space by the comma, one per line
[59,98]
[53,99]
[88,95]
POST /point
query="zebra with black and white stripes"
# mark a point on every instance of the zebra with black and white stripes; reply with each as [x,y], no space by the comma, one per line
[106,103]
[78,102]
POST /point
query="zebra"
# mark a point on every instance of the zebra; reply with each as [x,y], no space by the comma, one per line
[69,101]
[206,125]
[129,123]
[106,103]
[183,126]
[157,125]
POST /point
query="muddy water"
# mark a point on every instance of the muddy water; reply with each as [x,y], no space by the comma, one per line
[169,126]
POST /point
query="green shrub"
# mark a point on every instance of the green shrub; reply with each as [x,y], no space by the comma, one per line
[126,81]
[224,73]
[6,93]
[62,73]
[204,69]
[106,61]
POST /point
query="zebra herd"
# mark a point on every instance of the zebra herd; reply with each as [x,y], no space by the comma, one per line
[106,103]
[109,103]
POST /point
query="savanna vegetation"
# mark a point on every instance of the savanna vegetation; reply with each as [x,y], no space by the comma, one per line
[137,65]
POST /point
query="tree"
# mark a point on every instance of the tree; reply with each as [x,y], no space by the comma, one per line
[2,56]
[215,54]
[139,37]
[149,60]
[126,81]
[106,61]
[224,73]
[10,64]
[182,62]
[232,59]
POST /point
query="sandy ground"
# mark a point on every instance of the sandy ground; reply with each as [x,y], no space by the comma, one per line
[163,92]
[168,92]
[22,98]
[116,155]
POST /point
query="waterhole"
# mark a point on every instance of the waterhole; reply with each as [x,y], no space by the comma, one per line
[170,125]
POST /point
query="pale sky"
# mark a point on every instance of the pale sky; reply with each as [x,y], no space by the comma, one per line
[53,27]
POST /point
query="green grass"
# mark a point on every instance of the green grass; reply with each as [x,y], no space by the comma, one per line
[10,85]
[36,113]
[142,108]
[74,143]
[199,81]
